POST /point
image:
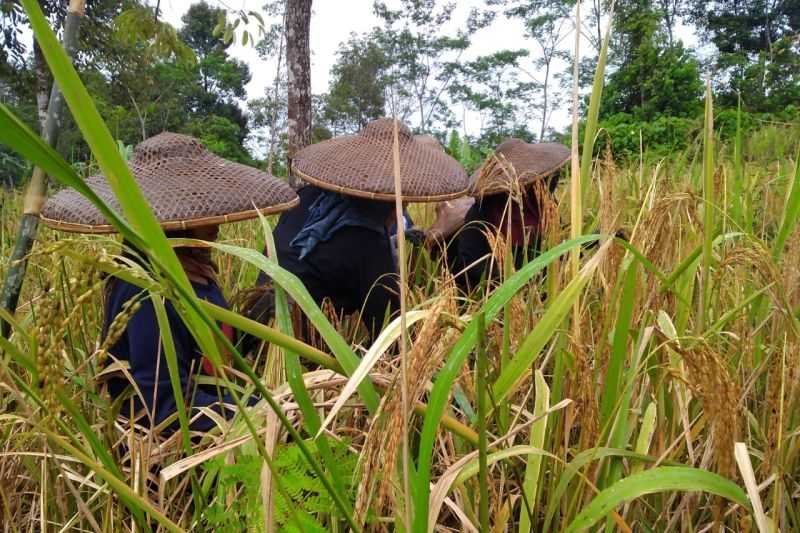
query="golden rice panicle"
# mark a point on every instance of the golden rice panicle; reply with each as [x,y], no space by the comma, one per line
[588,408]
[379,456]
[711,382]
[49,363]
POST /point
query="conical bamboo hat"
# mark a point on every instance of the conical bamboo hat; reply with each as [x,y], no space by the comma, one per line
[186,186]
[363,165]
[517,160]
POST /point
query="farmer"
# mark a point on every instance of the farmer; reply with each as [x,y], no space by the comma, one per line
[338,241]
[505,202]
[191,193]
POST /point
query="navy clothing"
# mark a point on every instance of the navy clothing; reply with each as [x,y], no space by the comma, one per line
[330,213]
[139,345]
[353,267]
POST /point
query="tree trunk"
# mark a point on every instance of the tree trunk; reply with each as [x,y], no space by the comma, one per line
[43,85]
[298,63]
[37,189]
[544,98]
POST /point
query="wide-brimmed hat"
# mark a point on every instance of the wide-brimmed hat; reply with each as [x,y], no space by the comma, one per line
[430,141]
[186,186]
[514,159]
[363,165]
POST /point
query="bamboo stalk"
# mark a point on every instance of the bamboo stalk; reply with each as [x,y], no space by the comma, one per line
[37,189]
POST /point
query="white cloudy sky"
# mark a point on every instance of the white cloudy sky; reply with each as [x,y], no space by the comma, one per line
[334,20]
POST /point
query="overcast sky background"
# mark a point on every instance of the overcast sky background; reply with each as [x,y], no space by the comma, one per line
[333,21]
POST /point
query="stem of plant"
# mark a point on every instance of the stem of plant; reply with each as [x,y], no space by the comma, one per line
[480,387]
[37,189]
[401,259]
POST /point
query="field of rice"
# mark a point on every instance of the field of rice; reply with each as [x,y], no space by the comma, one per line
[640,374]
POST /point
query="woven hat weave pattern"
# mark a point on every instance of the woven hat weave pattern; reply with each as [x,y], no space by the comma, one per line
[185,184]
[519,161]
[363,165]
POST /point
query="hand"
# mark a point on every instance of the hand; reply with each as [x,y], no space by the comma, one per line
[449,217]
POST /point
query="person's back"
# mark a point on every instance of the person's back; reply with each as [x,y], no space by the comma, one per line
[352,266]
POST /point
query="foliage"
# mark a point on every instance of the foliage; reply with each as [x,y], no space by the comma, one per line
[757,50]
[652,76]
[307,495]
[661,136]
[359,81]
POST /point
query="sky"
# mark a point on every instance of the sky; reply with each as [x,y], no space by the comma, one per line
[333,21]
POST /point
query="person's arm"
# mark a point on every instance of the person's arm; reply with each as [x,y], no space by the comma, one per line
[449,218]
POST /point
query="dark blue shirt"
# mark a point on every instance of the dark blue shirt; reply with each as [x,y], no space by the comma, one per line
[140,345]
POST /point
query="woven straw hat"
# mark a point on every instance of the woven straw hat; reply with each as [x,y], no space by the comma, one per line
[516,158]
[363,165]
[430,141]
[186,186]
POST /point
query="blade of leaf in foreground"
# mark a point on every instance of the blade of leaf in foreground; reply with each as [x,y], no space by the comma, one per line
[520,365]
[455,360]
[20,138]
[292,284]
[791,211]
[136,208]
[387,337]
[533,468]
[660,479]
[594,110]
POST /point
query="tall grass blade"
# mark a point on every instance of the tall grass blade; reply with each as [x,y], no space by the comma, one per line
[530,484]
[619,348]
[452,367]
[593,115]
[480,392]
[749,477]
[519,366]
[709,200]
[660,479]
[791,211]
[646,432]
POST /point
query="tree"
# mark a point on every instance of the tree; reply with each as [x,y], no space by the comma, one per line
[421,53]
[359,81]
[547,24]
[651,78]
[491,86]
[757,49]
[298,63]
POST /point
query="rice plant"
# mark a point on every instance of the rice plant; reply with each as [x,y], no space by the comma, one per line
[665,400]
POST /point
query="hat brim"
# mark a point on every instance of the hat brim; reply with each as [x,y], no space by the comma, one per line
[541,161]
[183,192]
[172,225]
[370,195]
[363,167]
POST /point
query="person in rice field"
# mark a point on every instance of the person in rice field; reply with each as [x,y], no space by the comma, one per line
[506,201]
[339,241]
[191,192]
